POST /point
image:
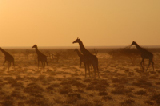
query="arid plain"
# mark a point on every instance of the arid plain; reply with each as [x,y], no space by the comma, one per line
[122,82]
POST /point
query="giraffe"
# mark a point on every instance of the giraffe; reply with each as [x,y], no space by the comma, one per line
[7,57]
[41,57]
[145,54]
[89,57]
[80,55]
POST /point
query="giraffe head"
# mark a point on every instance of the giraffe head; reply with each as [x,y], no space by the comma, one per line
[1,49]
[76,41]
[134,43]
[34,46]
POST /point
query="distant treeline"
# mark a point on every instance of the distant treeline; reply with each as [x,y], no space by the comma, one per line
[156,50]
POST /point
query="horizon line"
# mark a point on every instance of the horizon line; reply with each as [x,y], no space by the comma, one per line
[74,47]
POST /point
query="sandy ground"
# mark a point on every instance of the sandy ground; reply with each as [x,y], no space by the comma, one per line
[121,82]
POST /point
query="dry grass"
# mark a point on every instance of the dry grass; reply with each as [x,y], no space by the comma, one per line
[64,83]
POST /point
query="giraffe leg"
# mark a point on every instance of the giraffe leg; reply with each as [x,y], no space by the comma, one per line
[97,68]
[80,63]
[150,60]
[43,64]
[47,63]
[142,63]
[153,65]
[38,65]
[85,69]
[9,64]
[94,68]
[13,64]
[88,70]
[4,62]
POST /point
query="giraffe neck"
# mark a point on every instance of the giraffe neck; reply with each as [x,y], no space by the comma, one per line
[37,51]
[79,54]
[82,49]
[3,51]
[139,48]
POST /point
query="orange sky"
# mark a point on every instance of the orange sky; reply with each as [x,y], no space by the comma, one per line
[96,22]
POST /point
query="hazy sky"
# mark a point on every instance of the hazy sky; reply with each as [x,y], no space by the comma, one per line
[95,22]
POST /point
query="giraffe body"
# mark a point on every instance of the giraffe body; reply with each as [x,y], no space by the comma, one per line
[89,58]
[41,57]
[81,56]
[145,54]
[7,57]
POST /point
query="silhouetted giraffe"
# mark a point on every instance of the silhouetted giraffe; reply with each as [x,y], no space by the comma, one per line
[91,59]
[145,55]
[81,56]
[41,57]
[7,57]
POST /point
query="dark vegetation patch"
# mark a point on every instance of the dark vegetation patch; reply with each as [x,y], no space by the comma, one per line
[141,92]
[18,95]
[121,90]
[36,101]
[7,101]
[73,82]
[34,89]
[103,93]
[156,97]
[142,83]
[72,98]
[107,98]
[149,102]
[18,85]
[157,83]
[100,85]
[127,102]
[66,89]
[120,80]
